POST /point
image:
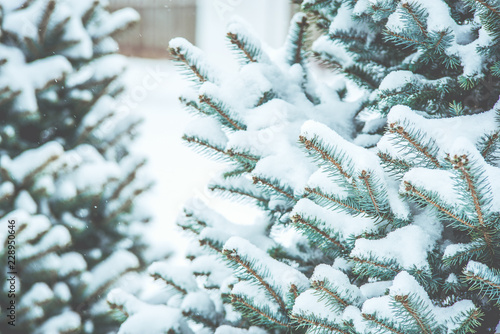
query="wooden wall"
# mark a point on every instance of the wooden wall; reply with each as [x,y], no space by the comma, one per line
[161,20]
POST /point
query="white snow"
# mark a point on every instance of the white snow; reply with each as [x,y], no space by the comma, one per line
[11,5]
[189,51]
[445,131]
[452,278]
[446,314]
[463,146]
[347,225]
[109,269]
[324,45]
[76,183]
[338,279]
[199,303]
[405,284]
[159,318]
[344,20]
[116,20]
[399,206]
[35,225]
[225,329]
[308,303]
[6,189]
[285,167]
[57,237]
[38,294]
[480,269]
[342,264]
[220,228]
[179,172]
[76,31]
[268,20]
[207,129]
[62,292]
[26,19]
[25,201]
[322,179]
[97,114]
[212,265]
[439,19]
[72,222]
[181,276]
[107,66]
[28,78]
[67,321]
[397,79]
[23,165]
[360,158]
[375,289]
[409,245]
[274,272]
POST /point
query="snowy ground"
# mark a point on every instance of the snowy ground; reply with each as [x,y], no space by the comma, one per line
[153,90]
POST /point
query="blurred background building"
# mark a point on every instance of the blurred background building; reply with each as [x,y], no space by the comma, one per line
[201,22]
[161,20]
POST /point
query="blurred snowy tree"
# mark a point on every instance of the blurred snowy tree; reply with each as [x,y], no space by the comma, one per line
[67,179]
[392,223]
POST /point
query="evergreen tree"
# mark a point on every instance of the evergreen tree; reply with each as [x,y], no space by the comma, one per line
[379,187]
[67,181]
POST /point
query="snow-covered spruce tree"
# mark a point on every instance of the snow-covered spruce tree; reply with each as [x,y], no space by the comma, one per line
[67,180]
[379,187]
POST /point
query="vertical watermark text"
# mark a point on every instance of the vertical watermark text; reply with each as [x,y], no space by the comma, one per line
[11,272]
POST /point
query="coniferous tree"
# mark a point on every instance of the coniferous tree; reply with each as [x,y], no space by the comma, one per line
[67,180]
[379,187]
